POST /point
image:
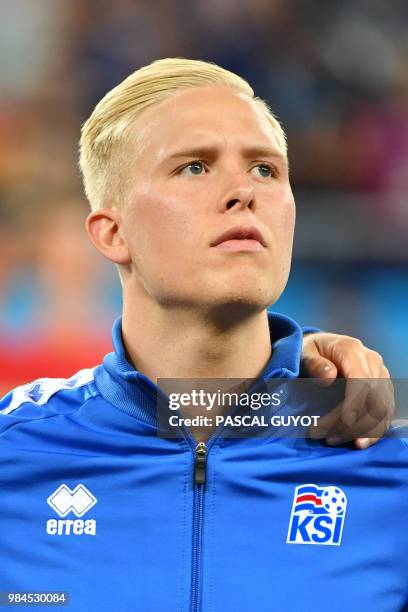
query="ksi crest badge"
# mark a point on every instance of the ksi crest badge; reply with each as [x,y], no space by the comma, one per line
[317,515]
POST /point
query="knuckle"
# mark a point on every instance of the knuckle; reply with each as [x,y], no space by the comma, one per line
[375,356]
[386,371]
[354,343]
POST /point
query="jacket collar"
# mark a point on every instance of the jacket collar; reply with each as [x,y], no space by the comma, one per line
[134,393]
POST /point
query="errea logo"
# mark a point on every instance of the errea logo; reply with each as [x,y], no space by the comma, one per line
[65,500]
[317,515]
[78,501]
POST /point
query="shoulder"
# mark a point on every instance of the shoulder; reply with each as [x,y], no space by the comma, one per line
[399,429]
[46,396]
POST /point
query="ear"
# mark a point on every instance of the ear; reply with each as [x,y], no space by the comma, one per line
[103,227]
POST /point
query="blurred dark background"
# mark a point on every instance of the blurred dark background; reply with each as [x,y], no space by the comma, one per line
[335,73]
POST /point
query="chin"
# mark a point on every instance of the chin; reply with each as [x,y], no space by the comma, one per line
[252,292]
[244,300]
[229,313]
[244,294]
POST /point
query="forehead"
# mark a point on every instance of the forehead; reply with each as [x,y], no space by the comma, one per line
[216,111]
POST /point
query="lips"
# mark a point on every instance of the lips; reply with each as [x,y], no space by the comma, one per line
[240,233]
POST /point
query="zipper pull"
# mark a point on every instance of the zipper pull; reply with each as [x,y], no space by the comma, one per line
[200,463]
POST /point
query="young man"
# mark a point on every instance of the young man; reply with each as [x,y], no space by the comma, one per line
[187,176]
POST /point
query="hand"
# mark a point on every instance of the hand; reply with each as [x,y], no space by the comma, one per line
[371,410]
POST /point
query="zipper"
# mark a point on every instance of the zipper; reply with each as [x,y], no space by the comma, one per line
[200,463]
[199,481]
[200,468]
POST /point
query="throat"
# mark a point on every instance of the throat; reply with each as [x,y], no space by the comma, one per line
[187,347]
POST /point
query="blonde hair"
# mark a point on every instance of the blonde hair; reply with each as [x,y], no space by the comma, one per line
[109,126]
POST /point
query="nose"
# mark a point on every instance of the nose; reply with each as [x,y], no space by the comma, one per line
[240,196]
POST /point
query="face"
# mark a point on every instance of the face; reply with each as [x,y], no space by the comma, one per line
[212,163]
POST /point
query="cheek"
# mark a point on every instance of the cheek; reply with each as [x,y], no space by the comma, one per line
[289,221]
[281,220]
[161,227]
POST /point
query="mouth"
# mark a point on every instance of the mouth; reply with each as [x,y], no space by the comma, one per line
[241,238]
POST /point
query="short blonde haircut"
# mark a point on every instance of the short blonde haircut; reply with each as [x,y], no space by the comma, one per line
[108,129]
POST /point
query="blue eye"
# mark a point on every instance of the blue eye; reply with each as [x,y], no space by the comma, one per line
[265,171]
[196,168]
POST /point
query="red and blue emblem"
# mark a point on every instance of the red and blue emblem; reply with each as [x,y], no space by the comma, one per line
[317,515]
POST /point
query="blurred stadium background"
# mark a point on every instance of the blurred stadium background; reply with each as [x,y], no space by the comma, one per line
[336,74]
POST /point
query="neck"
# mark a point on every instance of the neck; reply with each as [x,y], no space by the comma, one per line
[185,343]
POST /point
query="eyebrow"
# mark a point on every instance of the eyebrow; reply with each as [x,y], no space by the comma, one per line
[253,152]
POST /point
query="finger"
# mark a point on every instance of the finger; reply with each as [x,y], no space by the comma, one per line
[365,413]
[346,353]
[333,428]
[365,428]
[376,364]
[367,406]
[319,368]
[316,359]
[380,400]
[363,443]
[373,397]
[355,401]
[354,360]
[380,413]
[372,436]
[328,424]
[359,367]
[366,432]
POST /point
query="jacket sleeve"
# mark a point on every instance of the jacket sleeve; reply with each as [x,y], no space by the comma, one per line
[308,329]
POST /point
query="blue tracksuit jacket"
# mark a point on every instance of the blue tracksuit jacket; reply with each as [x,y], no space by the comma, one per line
[95,504]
